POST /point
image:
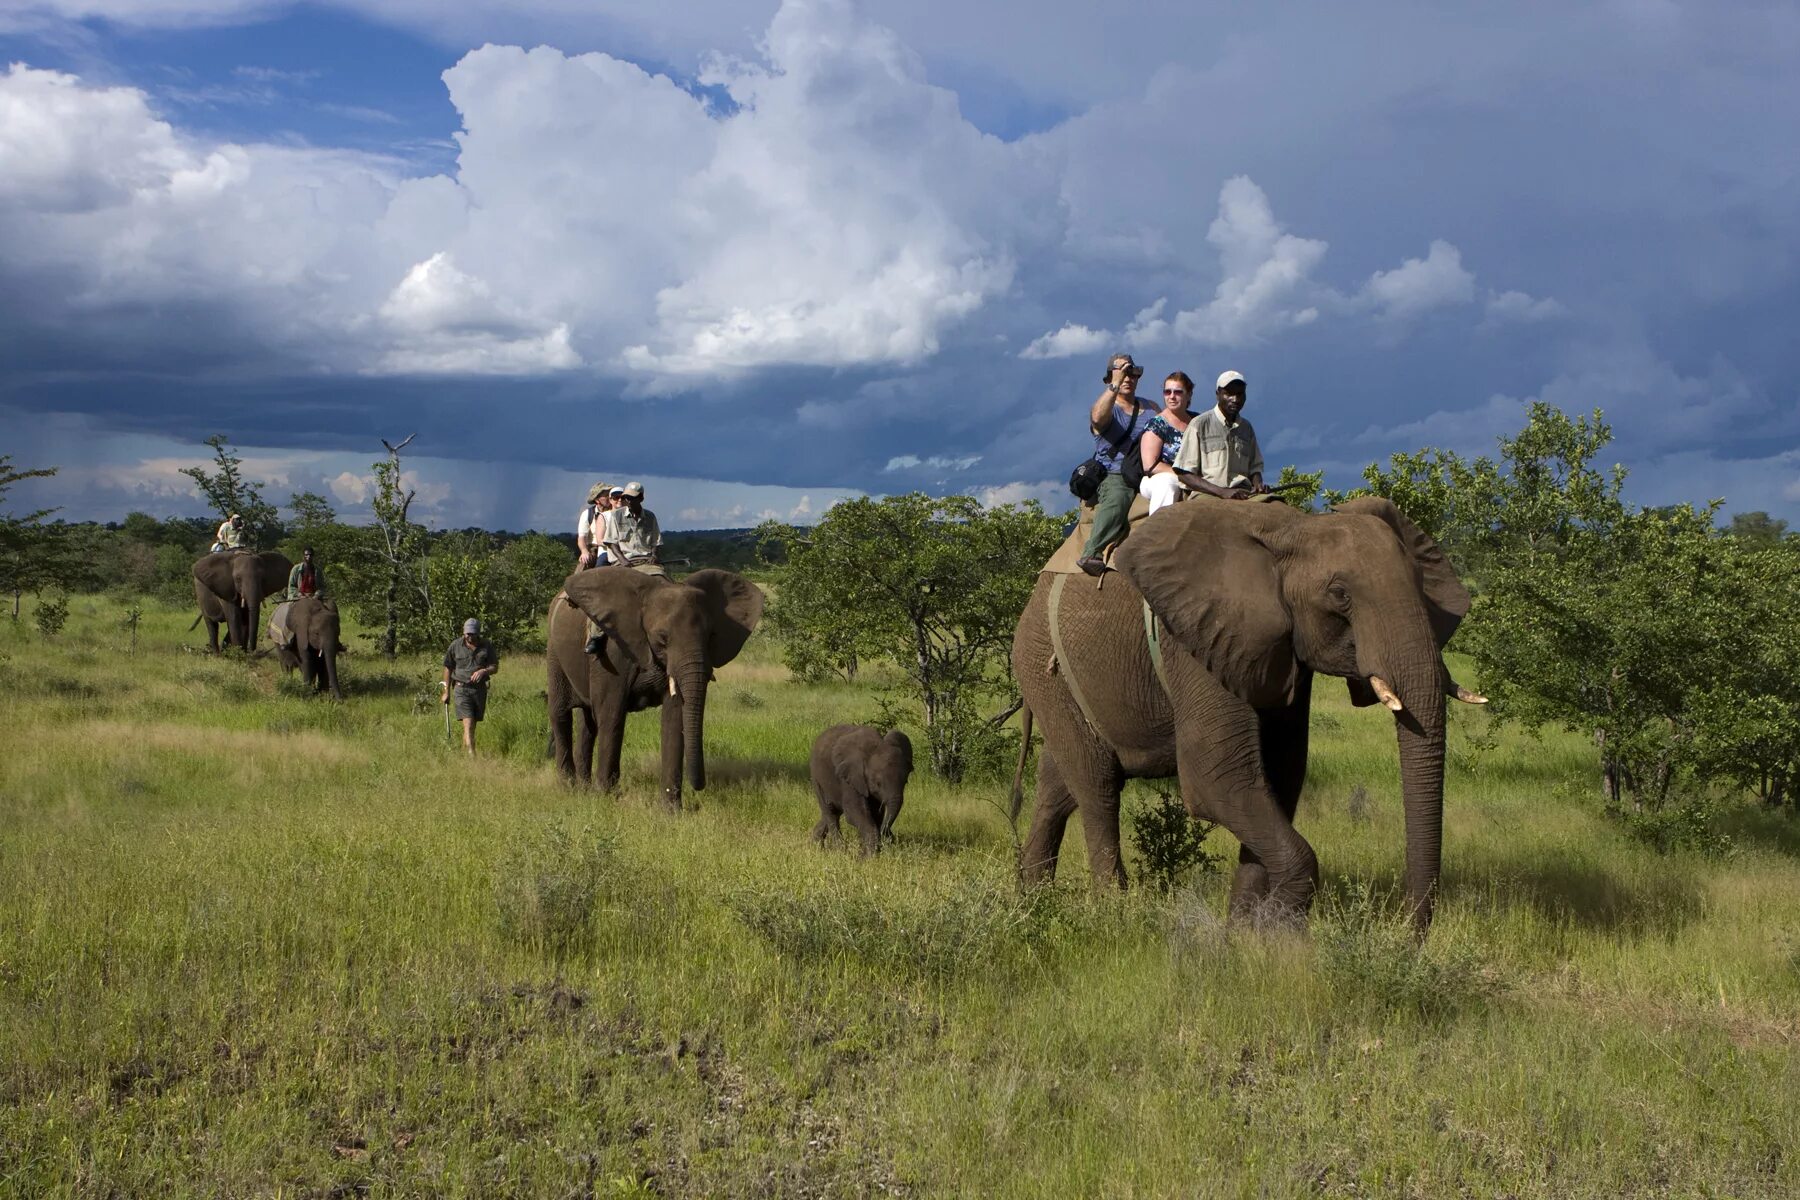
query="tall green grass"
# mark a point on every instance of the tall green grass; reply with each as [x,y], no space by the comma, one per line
[254,942]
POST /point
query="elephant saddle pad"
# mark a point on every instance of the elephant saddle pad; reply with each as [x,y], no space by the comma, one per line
[278,624]
[1063,561]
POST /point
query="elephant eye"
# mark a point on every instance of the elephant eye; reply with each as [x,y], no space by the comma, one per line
[1340,595]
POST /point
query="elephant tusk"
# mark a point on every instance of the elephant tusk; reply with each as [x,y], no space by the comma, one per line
[1385,694]
[1465,695]
[672,685]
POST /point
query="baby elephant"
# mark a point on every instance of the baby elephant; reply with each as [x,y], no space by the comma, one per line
[861,775]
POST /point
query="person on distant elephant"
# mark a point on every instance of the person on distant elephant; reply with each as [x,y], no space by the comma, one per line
[469,663]
[1220,456]
[590,527]
[632,534]
[306,579]
[1116,419]
[230,534]
[1161,443]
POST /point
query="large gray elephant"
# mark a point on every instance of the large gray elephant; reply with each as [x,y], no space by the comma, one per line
[313,625]
[662,641]
[860,775]
[1196,660]
[230,587]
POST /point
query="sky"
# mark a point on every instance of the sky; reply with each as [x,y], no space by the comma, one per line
[765,254]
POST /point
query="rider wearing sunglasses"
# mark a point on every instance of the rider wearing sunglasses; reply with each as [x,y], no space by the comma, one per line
[1162,442]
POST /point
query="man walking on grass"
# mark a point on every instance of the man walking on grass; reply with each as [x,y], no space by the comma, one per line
[469,663]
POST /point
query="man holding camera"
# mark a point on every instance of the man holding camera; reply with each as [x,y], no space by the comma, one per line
[1117,419]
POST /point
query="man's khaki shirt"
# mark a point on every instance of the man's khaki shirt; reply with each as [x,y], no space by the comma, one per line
[637,537]
[1219,452]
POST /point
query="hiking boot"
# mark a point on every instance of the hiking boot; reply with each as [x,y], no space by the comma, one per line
[1093,564]
[596,644]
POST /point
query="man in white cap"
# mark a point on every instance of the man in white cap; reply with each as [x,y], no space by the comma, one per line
[1219,455]
[230,534]
[632,534]
[469,663]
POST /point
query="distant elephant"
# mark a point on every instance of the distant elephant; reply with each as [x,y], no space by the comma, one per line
[861,775]
[313,624]
[1196,660]
[662,641]
[231,585]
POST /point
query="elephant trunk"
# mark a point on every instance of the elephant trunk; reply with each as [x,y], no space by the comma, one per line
[692,678]
[329,654]
[1411,676]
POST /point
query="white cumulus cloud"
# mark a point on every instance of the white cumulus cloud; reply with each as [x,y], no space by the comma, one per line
[1419,285]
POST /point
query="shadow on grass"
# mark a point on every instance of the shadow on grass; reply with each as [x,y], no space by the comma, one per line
[736,771]
[1776,829]
[1586,896]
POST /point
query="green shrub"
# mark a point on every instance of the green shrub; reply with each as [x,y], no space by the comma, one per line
[548,887]
[1369,953]
[1689,824]
[51,615]
[1170,844]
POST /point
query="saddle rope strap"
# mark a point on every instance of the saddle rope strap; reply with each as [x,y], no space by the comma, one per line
[1062,655]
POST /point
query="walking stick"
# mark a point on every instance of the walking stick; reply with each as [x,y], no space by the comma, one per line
[446,708]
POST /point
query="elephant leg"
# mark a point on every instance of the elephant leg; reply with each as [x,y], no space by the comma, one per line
[583,717]
[673,741]
[857,812]
[1285,733]
[559,702]
[606,710]
[1218,753]
[1049,820]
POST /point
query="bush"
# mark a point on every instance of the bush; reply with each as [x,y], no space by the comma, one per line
[1170,844]
[548,888]
[1689,824]
[1368,952]
[51,615]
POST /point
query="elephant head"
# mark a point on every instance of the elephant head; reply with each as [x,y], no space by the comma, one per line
[679,630]
[240,581]
[880,773]
[1259,594]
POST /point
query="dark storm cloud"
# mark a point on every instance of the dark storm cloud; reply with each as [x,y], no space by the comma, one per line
[1609,186]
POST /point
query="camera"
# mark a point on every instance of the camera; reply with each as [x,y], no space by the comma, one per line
[1131,368]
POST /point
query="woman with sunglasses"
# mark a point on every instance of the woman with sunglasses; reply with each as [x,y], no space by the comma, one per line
[1162,442]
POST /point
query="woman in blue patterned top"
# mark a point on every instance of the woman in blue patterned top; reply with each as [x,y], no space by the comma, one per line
[1162,441]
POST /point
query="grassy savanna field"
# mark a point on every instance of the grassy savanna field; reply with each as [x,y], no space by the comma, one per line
[258,943]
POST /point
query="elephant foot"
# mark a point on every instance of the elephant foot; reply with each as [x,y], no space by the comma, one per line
[672,799]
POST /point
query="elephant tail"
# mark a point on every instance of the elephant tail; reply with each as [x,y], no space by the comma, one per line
[1018,786]
[196,623]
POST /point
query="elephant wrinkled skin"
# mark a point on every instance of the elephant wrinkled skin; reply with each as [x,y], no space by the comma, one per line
[861,775]
[230,587]
[1250,601]
[663,640]
[314,624]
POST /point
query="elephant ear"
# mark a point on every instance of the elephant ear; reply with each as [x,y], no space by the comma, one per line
[1446,599]
[734,608]
[902,749]
[848,765]
[613,598]
[1207,572]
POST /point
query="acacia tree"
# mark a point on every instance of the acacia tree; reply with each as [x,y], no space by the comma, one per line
[933,584]
[1589,614]
[227,491]
[400,544]
[28,559]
